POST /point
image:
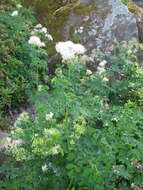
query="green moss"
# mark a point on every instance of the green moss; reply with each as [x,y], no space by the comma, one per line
[83,9]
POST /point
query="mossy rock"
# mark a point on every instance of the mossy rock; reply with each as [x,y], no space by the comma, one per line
[136,7]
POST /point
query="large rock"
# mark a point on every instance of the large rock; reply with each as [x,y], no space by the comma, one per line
[110,22]
[98,22]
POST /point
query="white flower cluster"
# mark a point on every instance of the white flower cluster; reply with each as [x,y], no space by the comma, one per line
[115,170]
[19,6]
[24,116]
[51,133]
[40,87]
[88,72]
[43,30]
[44,168]
[49,116]
[14,13]
[35,40]
[101,70]
[79,30]
[50,166]
[54,150]
[68,49]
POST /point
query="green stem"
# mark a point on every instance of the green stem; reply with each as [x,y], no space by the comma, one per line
[69,71]
[66,118]
[37,77]
[67,128]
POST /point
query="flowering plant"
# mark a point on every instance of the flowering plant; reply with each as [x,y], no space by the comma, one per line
[87,133]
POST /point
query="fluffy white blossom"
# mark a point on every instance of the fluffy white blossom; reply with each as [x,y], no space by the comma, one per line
[24,116]
[49,116]
[68,49]
[19,6]
[34,40]
[105,79]
[12,133]
[49,36]
[38,26]
[14,13]
[44,168]
[132,185]
[44,30]
[88,72]
[79,30]
[40,87]
[54,150]
[103,63]
[102,70]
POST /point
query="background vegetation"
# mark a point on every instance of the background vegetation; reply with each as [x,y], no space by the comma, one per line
[87,133]
[22,66]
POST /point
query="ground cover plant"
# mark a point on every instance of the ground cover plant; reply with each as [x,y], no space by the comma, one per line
[22,65]
[87,133]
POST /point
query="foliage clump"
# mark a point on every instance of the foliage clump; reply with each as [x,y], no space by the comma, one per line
[87,133]
[22,66]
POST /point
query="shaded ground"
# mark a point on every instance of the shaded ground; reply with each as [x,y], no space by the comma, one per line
[3,139]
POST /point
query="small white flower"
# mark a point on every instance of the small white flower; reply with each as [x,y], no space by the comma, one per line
[132,185]
[40,87]
[105,79]
[44,30]
[45,131]
[12,132]
[130,52]
[101,70]
[68,49]
[55,150]
[34,40]
[44,168]
[49,116]
[24,116]
[49,36]
[76,31]
[14,13]
[19,6]
[32,32]
[38,26]
[88,72]
[103,63]
[86,18]
[80,30]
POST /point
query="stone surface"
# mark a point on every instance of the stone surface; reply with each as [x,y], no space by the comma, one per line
[102,22]
[110,22]
[136,7]
[3,139]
